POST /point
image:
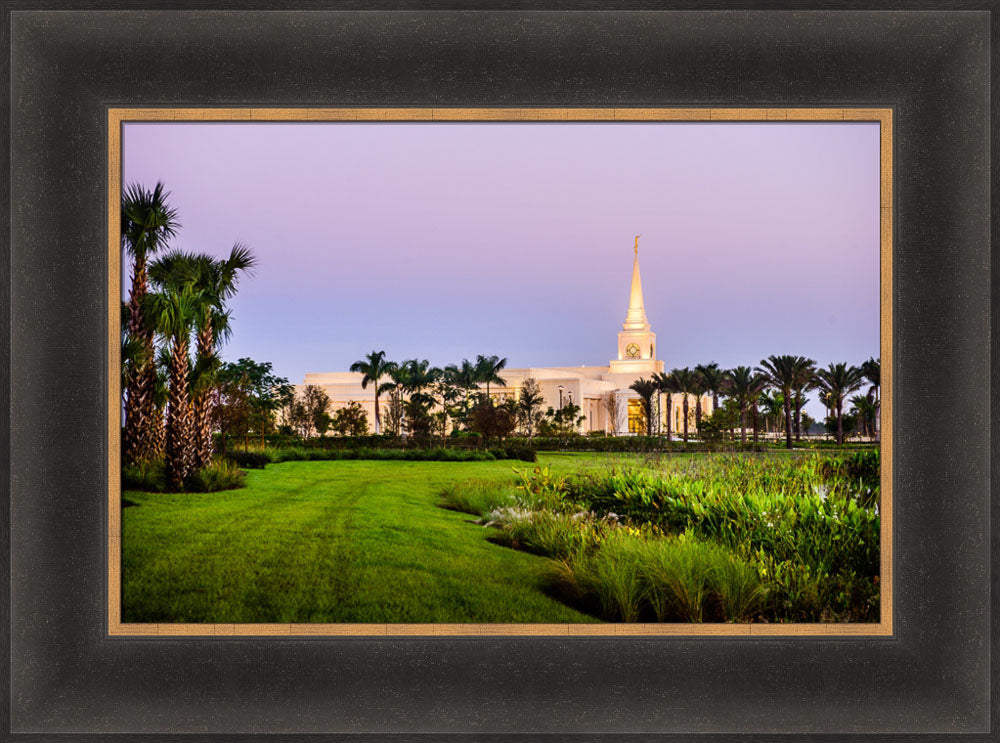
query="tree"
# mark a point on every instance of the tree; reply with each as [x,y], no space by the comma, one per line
[350,420]
[415,377]
[214,282]
[863,410]
[316,403]
[713,381]
[231,408]
[782,372]
[646,389]
[172,312]
[837,381]
[147,223]
[265,391]
[561,422]
[374,366]
[492,421]
[744,386]
[872,370]
[684,383]
[805,377]
[666,386]
[488,370]
[616,412]
[529,404]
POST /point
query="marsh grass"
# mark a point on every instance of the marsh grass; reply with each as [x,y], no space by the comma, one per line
[722,538]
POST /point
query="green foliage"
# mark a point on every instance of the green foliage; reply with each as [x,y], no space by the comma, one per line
[145,475]
[351,420]
[249,459]
[477,496]
[221,474]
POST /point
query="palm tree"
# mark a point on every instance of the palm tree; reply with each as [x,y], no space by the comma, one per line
[713,381]
[684,382]
[488,370]
[173,313]
[782,372]
[864,408]
[697,389]
[646,388]
[147,223]
[872,370]
[665,384]
[214,282]
[374,366]
[744,386]
[805,376]
[838,381]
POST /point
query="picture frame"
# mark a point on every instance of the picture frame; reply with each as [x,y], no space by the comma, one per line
[119,118]
[930,677]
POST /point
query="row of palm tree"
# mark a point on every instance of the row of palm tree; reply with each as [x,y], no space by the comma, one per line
[790,377]
[173,299]
[424,384]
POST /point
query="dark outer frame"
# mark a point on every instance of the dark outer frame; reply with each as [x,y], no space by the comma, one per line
[68,64]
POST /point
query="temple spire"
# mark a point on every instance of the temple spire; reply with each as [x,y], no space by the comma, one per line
[635,319]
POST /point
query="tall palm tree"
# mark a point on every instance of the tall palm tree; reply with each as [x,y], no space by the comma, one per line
[805,377]
[744,385]
[697,389]
[665,384]
[173,313]
[781,372]
[488,370]
[147,223]
[374,367]
[838,381]
[864,408]
[872,369]
[713,380]
[685,383]
[646,388]
[214,281]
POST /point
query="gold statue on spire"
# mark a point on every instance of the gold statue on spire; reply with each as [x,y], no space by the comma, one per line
[637,245]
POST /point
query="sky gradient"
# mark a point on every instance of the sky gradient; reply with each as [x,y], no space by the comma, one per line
[447,240]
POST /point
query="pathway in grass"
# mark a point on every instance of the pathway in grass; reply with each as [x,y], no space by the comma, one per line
[346,541]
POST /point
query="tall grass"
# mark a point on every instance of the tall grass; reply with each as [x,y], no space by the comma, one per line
[724,539]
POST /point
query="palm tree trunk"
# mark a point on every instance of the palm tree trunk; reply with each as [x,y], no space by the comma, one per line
[788,420]
[140,392]
[755,423]
[201,405]
[743,424]
[670,417]
[180,450]
[840,422]
[377,420]
[798,417]
[685,417]
[697,414]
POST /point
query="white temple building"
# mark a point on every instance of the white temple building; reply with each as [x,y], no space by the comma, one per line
[586,386]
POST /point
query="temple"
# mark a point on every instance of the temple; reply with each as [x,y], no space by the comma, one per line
[589,387]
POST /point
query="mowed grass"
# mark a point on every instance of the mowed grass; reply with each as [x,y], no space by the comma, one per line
[341,541]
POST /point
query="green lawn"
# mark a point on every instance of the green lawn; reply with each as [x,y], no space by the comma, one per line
[342,541]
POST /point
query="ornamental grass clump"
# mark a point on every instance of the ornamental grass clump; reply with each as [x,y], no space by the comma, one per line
[477,496]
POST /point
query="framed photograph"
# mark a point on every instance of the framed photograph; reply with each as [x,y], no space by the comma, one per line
[310,430]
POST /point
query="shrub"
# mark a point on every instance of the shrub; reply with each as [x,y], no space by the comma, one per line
[148,476]
[520,451]
[249,459]
[221,474]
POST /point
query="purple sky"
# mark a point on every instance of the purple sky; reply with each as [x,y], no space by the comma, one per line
[445,240]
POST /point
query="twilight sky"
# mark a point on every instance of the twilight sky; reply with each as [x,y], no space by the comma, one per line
[445,240]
